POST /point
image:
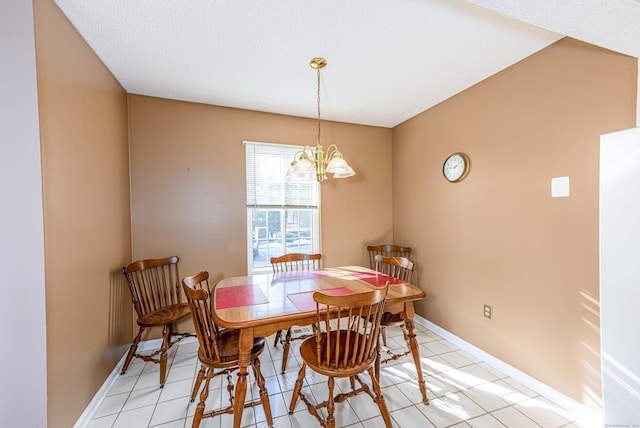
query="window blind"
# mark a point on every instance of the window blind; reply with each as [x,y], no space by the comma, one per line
[267,186]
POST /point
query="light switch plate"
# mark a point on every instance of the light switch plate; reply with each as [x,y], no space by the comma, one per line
[559,187]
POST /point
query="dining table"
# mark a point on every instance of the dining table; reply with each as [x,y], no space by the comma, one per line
[261,304]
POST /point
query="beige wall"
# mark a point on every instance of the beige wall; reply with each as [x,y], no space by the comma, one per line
[188,183]
[85,174]
[498,237]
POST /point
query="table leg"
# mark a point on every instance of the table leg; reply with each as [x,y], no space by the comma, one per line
[244,357]
[413,343]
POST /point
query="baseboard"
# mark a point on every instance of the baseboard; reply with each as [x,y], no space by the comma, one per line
[90,410]
[590,416]
[86,416]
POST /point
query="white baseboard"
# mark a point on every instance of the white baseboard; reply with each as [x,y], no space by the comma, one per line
[589,416]
[90,410]
[86,416]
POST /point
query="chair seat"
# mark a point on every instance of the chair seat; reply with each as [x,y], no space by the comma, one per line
[391,320]
[228,343]
[337,369]
[164,315]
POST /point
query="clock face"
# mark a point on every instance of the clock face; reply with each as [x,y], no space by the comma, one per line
[456,167]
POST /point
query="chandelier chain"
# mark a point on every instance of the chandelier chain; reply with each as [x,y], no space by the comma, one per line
[318,73]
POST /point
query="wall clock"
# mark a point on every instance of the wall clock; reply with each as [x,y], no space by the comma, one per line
[456,167]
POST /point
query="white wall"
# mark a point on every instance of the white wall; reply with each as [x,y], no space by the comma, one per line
[23,394]
[620,276]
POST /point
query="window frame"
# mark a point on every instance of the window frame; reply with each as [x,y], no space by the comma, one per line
[286,155]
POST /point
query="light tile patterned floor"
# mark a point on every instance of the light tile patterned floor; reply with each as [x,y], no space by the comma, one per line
[463,391]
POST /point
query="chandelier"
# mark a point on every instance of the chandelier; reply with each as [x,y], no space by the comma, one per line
[309,161]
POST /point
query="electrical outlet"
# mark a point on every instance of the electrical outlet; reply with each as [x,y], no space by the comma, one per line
[487,311]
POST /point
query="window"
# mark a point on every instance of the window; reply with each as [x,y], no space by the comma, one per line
[283,214]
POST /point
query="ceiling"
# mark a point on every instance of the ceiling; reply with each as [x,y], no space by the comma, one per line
[388,60]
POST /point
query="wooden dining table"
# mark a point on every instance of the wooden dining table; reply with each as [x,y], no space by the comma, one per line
[260,305]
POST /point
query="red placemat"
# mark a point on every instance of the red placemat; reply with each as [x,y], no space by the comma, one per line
[241,295]
[378,279]
[304,301]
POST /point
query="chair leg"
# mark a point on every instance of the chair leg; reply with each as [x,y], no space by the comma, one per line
[285,350]
[383,331]
[264,394]
[132,351]
[297,388]
[377,362]
[404,333]
[197,417]
[331,405]
[379,398]
[275,342]
[166,341]
[198,382]
[230,387]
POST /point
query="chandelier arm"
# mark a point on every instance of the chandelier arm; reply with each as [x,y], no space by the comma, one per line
[332,151]
[300,154]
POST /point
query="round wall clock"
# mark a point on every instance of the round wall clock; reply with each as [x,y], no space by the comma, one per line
[456,167]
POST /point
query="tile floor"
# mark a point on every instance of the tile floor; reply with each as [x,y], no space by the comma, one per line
[463,391]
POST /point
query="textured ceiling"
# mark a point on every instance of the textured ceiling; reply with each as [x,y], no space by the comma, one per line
[388,60]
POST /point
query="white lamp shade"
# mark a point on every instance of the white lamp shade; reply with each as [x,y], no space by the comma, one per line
[348,172]
[304,167]
[337,165]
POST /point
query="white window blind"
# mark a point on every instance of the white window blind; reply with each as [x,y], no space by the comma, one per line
[267,165]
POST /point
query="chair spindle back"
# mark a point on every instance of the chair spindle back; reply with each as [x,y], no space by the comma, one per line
[198,293]
[154,284]
[347,329]
[397,267]
[292,262]
[386,250]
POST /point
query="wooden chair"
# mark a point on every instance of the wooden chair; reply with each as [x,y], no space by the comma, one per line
[292,262]
[155,292]
[345,344]
[400,268]
[386,250]
[218,351]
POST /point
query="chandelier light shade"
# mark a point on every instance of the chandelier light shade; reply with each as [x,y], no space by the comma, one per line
[310,161]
